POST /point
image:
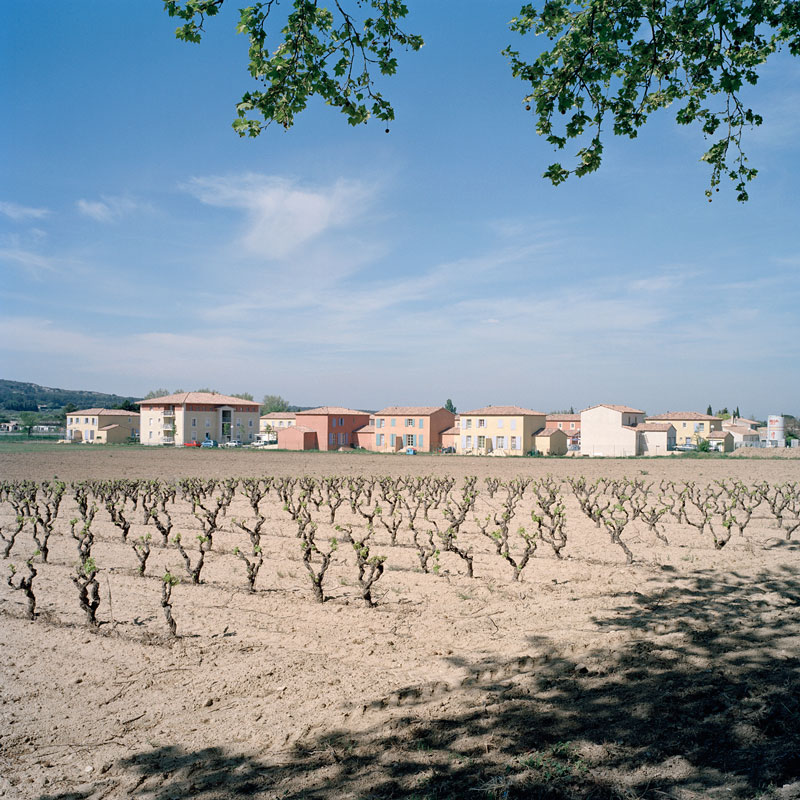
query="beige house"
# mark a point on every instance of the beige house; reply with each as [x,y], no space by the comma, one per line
[721,440]
[420,427]
[102,425]
[276,421]
[743,435]
[655,438]
[610,430]
[550,442]
[506,429]
[690,426]
[194,417]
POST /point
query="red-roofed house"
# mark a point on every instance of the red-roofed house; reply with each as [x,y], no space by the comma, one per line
[102,425]
[507,429]
[550,442]
[690,426]
[610,430]
[420,427]
[196,416]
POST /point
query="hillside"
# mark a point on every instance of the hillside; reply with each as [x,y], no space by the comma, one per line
[18,396]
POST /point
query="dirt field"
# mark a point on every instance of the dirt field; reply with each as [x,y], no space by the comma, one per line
[674,677]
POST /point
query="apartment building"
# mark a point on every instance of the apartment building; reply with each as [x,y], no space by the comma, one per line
[194,417]
[102,425]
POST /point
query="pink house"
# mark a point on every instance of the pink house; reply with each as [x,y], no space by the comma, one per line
[334,426]
[420,427]
[297,437]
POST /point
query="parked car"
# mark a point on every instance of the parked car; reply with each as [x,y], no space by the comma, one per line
[209,443]
[191,444]
[233,443]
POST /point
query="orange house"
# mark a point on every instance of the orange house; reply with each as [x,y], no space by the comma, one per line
[334,426]
[420,427]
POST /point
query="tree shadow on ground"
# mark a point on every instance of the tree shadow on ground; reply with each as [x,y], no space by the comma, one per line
[695,693]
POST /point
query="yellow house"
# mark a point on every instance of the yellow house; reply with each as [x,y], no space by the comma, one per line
[690,426]
[102,425]
[499,429]
[550,442]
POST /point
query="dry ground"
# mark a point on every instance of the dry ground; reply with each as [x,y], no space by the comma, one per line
[674,677]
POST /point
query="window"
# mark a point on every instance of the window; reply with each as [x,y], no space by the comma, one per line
[333,422]
[560,425]
[194,436]
[86,420]
[409,423]
[342,438]
[341,422]
[250,424]
[379,423]
[481,423]
[409,440]
[250,435]
[501,442]
[91,435]
[208,423]
[683,424]
[572,426]
[514,445]
[194,422]
[151,422]
[469,441]
[151,434]
[379,440]
[467,423]
[481,441]
[331,438]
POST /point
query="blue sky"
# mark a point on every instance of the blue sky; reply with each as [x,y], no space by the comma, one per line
[143,244]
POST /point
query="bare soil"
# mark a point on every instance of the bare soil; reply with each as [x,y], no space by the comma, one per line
[677,676]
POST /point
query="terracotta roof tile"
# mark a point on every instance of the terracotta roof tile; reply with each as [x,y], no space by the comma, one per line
[681,415]
[564,417]
[623,409]
[198,398]
[454,431]
[279,415]
[96,412]
[333,411]
[655,427]
[502,411]
[548,432]
[411,411]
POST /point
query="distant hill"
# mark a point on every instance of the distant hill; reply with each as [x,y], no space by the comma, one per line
[18,396]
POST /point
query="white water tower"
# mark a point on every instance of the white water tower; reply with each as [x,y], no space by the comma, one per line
[776,436]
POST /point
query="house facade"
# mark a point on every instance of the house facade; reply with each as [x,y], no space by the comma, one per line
[509,429]
[655,438]
[275,421]
[334,426]
[102,425]
[187,417]
[420,427]
[550,442]
[610,430]
[690,426]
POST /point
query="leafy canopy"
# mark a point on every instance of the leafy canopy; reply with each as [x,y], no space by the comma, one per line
[612,62]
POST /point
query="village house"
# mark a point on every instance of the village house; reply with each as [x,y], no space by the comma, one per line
[195,417]
[102,425]
[690,426]
[550,442]
[420,427]
[744,431]
[569,423]
[275,420]
[619,431]
[721,440]
[324,428]
[503,429]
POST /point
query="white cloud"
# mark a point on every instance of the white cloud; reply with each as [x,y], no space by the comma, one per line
[18,213]
[110,209]
[281,214]
[33,263]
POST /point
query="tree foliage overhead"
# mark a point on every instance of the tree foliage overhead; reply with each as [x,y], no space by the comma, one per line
[612,64]
[273,402]
[329,52]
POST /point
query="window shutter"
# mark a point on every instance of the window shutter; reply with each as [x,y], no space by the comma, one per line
[393,440]
[463,442]
[414,439]
[420,440]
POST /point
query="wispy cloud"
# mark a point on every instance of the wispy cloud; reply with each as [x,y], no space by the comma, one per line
[110,208]
[34,264]
[19,213]
[282,215]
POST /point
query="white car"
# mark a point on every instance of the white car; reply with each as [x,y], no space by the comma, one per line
[233,443]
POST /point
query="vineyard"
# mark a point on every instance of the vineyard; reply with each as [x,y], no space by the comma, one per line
[401,635]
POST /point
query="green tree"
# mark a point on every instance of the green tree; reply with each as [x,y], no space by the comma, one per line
[611,65]
[243,395]
[709,411]
[273,402]
[28,419]
[157,393]
[449,406]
